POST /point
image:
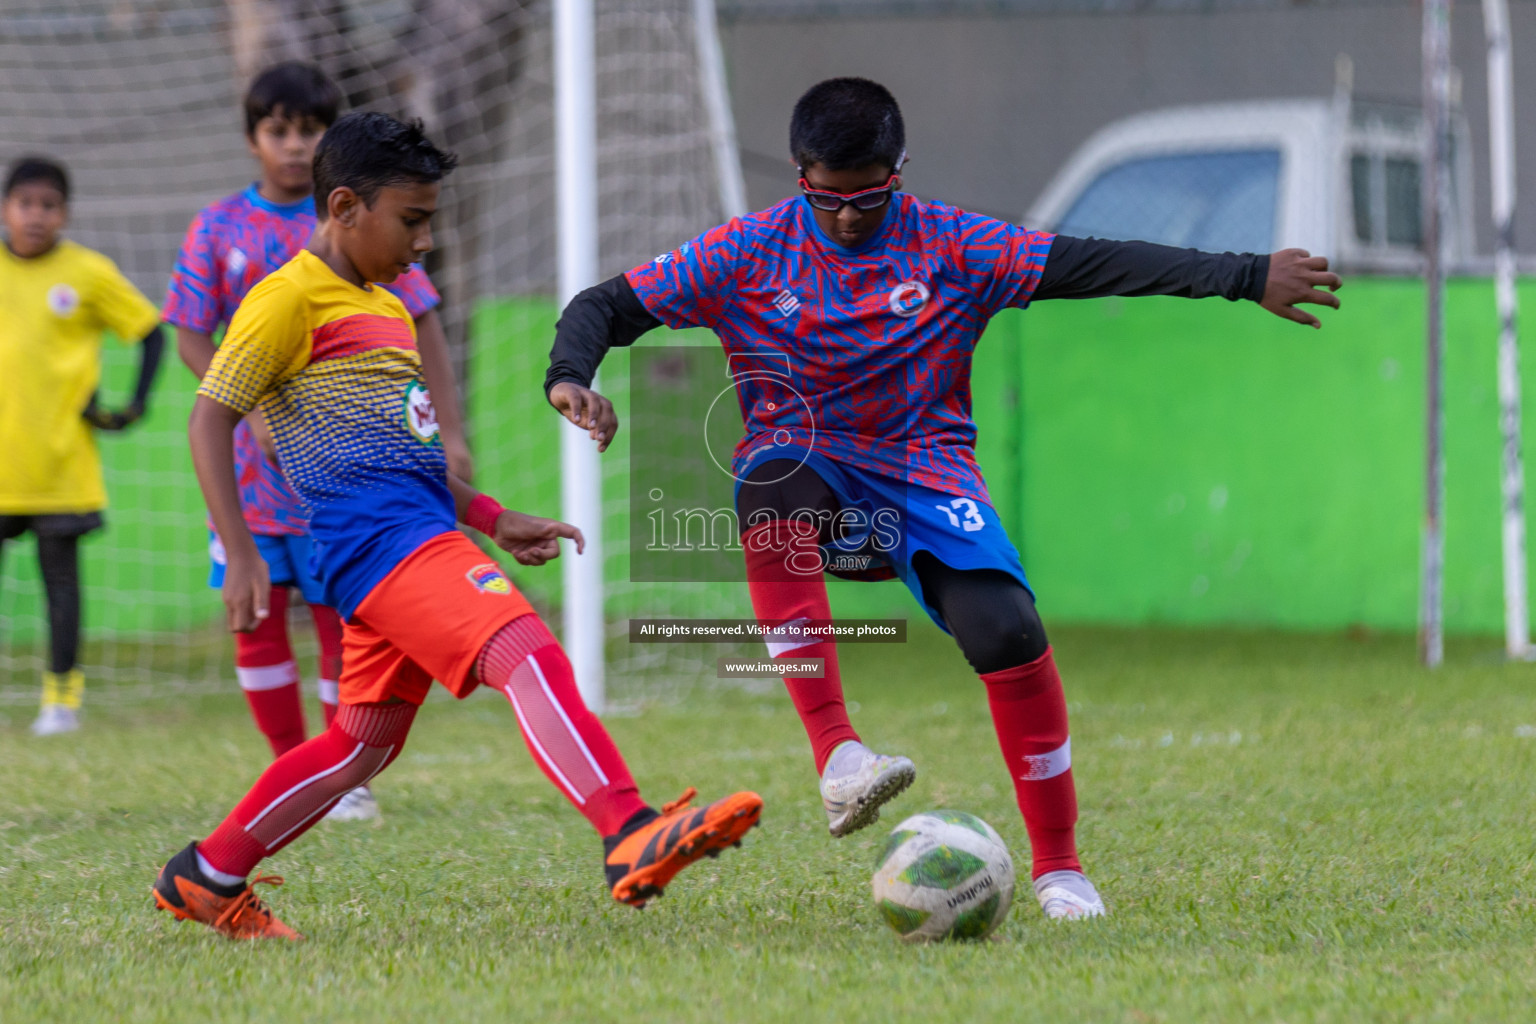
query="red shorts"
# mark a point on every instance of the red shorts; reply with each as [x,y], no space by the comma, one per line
[428,619]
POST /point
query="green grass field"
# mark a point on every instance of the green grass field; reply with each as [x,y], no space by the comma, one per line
[1286,827]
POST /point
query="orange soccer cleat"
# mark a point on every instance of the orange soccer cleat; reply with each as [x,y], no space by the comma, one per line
[644,856]
[235,912]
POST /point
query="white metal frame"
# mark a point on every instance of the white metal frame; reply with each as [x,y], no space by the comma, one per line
[1436,182]
[577,231]
[1501,169]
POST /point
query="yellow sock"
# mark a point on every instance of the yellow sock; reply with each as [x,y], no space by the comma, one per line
[53,690]
[74,689]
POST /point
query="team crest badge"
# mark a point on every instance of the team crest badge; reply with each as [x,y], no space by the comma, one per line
[488,579]
[908,298]
[63,300]
[420,417]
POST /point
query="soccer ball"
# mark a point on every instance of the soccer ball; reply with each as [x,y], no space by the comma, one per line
[943,875]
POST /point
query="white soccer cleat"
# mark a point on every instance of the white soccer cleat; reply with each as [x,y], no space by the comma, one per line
[358,805]
[1067,895]
[856,782]
[55,719]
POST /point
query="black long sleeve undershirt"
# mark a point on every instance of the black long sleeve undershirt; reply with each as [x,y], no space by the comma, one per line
[1089,268]
[605,315]
[611,314]
[151,348]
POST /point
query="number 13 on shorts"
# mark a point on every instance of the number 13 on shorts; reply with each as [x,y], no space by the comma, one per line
[969,518]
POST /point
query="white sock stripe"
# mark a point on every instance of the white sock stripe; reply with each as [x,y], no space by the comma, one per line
[1039,767]
[267,677]
[581,743]
[222,877]
[312,779]
[326,807]
[329,691]
[779,647]
[538,748]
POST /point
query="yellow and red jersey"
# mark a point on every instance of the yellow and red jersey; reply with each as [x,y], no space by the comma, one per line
[335,370]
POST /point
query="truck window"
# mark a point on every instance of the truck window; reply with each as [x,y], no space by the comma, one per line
[1385,190]
[1217,201]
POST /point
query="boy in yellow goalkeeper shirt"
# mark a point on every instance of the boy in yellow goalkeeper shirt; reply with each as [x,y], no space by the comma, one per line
[56,300]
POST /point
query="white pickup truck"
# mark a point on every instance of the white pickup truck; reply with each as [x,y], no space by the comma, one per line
[1337,177]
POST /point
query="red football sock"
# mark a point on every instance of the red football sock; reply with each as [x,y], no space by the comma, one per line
[1029,711]
[264,665]
[786,582]
[299,787]
[328,631]
[569,744]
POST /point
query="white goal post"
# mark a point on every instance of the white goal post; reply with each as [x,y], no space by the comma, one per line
[142,102]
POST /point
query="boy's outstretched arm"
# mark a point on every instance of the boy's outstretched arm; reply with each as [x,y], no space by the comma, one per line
[1084,268]
[532,540]
[247,584]
[432,346]
[596,320]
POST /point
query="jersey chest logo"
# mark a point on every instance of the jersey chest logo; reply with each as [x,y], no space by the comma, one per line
[420,417]
[908,298]
[62,300]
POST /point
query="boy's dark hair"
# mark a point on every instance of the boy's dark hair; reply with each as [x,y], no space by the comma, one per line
[367,151]
[844,123]
[294,89]
[38,168]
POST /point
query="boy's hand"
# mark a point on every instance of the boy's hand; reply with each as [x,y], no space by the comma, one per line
[106,419]
[533,540]
[1297,276]
[587,409]
[247,592]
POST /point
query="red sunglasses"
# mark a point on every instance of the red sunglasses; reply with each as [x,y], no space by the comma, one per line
[868,199]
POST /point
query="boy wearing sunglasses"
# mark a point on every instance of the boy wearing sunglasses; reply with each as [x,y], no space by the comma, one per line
[876,299]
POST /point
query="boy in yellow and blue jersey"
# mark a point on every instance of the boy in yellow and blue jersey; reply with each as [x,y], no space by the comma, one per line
[229,247]
[331,361]
[57,299]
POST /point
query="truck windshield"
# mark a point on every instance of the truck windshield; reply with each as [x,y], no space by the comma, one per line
[1218,201]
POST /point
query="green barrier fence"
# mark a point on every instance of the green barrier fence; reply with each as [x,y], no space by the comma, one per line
[1156,460]
[1202,462]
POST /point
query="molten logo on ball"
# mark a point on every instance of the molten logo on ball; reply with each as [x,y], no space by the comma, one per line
[943,875]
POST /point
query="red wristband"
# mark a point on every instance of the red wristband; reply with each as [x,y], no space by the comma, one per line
[481,514]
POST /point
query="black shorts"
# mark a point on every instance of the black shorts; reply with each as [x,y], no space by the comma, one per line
[50,524]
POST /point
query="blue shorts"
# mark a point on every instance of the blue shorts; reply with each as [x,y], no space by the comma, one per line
[892,521]
[287,558]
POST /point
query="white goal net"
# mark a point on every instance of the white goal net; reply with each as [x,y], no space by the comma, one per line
[141,101]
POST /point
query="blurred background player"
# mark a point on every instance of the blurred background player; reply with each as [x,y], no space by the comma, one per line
[56,300]
[332,363]
[875,301]
[230,246]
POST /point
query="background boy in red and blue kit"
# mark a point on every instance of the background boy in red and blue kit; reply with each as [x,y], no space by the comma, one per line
[332,363]
[230,246]
[873,302]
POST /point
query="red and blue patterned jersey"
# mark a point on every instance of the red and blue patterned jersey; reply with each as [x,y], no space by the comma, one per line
[862,354]
[230,246]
